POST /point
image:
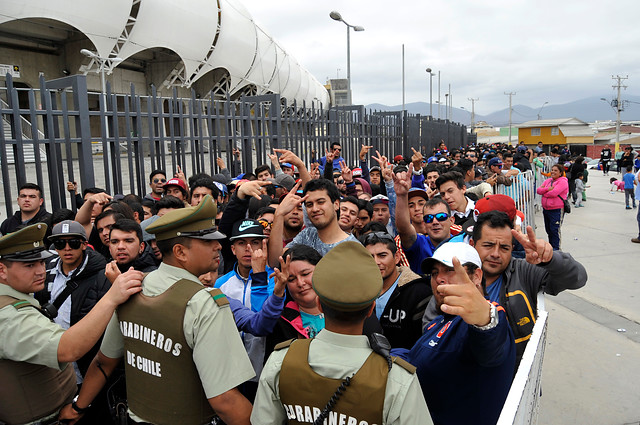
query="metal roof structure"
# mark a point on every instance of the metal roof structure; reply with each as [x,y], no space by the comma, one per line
[205,34]
[552,123]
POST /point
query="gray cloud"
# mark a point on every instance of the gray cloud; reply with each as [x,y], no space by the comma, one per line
[545,51]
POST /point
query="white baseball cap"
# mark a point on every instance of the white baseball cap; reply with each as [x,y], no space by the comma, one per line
[445,253]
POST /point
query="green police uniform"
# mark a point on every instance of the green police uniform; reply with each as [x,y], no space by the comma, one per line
[346,279]
[208,326]
[34,384]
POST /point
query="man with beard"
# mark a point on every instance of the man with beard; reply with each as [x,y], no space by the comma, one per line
[127,248]
[321,200]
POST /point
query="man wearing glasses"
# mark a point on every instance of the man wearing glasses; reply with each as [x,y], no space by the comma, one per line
[157,179]
[335,153]
[495,167]
[72,286]
[438,221]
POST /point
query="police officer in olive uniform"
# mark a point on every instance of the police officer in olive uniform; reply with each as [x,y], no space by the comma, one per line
[338,376]
[183,356]
[35,378]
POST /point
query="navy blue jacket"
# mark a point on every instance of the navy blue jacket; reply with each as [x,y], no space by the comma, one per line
[465,373]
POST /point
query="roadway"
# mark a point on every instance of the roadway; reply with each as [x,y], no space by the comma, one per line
[591,369]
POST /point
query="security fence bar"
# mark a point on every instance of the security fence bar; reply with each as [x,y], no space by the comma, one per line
[61,131]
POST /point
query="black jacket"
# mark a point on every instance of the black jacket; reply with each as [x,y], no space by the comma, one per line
[145,262]
[92,285]
[14,222]
[401,319]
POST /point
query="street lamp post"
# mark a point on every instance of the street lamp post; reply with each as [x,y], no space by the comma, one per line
[446,106]
[337,17]
[539,116]
[430,92]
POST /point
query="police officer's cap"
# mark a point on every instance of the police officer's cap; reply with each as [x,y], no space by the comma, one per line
[197,222]
[347,278]
[25,244]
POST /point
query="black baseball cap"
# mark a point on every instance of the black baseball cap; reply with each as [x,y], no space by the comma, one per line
[247,228]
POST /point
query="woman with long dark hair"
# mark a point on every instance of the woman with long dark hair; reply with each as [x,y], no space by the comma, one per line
[554,191]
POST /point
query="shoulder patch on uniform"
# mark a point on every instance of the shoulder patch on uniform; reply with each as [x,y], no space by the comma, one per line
[219,297]
[405,365]
[6,300]
[284,344]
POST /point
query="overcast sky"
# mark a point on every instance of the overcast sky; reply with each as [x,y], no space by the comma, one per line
[554,51]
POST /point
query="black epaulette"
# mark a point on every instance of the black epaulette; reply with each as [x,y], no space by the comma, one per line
[405,365]
[284,344]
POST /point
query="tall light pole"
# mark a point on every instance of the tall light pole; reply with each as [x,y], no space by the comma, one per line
[430,92]
[473,111]
[337,17]
[539,116]
[438,94]
[510,94]
[446,106]
[618,86]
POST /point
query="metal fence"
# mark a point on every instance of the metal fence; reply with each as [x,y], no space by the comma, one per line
[116,140]
[523,191]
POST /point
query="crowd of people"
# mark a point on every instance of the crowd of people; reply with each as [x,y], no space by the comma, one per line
[365,293]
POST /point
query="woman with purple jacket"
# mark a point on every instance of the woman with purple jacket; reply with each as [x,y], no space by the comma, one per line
[554,191]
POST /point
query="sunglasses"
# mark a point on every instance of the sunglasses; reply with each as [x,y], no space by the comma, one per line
[156,181]
[337,150]
[377,235]
[499,165]
[440,217]
[265,224]
[62,243]
[340,181]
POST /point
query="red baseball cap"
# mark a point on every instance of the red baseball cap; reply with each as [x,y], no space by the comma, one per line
[176,182]
[497,202]
[398,158]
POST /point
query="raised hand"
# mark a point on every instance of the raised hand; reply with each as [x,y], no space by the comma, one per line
[463,298]
[221,163]
[252,188]
[346,172]
[259,257]
[291,201]
[416,159]
[329,156]
[290,157]
[364,150]
[537,250]
[112,271]
[281,277]
[72,186]
[381,160]
[402,181]
[180,175]
[387,173]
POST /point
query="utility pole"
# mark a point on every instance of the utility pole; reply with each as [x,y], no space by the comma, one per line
[619,107]
[473,111]
[510,94]
[450,104]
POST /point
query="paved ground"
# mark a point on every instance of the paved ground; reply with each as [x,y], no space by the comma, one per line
[591,369]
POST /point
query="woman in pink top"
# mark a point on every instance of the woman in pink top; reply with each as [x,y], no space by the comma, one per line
[554,191]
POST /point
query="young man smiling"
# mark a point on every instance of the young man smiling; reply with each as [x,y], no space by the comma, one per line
[321,200]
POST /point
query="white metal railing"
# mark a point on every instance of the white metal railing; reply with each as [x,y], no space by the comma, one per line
[522,191]
[523,401]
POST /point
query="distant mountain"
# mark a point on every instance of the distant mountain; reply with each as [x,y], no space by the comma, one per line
[589,110]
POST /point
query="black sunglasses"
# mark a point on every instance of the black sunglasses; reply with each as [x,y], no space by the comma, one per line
[377,235]
[62,243]
[440,217]
[156,181]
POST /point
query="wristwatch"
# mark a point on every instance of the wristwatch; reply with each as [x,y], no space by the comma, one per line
[493,322]
[78,409]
